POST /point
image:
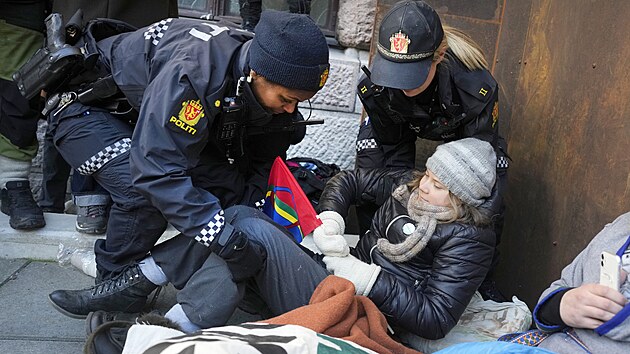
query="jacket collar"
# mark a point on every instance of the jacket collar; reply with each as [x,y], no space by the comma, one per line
[256,114]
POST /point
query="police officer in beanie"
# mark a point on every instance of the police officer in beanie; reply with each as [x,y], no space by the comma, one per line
[427,81]
[208,98]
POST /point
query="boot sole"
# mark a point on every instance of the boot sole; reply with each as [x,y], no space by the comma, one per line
[64,312]
[90,230]
[25,224]
[29,224]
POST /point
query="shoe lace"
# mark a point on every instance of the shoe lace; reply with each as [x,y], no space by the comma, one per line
[128,274]
[95,211]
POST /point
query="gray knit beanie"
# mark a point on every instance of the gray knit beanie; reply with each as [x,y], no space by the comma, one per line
[467,167]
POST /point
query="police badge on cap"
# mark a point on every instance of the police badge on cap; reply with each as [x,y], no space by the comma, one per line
[408,36]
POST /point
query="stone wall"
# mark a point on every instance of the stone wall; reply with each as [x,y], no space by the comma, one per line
[355,22]
[338,105]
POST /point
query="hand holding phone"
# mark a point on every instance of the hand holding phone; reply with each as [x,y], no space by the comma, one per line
[609,271]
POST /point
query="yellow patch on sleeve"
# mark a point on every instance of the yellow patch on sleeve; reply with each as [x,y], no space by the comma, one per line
[191,112]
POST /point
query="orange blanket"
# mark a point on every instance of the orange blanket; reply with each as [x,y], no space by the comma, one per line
[336,311]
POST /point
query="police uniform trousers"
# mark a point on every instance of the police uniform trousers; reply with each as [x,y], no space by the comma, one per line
[286,281]
[96,143]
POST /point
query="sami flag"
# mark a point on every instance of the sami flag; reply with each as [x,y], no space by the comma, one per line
[286,203]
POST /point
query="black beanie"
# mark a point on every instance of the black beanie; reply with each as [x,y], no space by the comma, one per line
[290,50]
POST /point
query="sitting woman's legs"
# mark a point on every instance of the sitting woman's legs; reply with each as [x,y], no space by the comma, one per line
[289,276]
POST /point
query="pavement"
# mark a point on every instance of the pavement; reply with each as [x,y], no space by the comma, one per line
[29,271]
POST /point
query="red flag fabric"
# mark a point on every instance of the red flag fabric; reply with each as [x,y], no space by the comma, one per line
[286,203]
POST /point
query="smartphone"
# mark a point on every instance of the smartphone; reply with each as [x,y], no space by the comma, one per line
[610,267]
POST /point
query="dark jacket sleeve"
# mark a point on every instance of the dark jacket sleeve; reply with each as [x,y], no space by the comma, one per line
[431,308]
[166,143]
[361,186]
[484,125]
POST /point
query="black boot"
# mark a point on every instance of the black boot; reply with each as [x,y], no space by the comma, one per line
[125,292]
[92,219]
[18,203]
[489,291]
[107,331]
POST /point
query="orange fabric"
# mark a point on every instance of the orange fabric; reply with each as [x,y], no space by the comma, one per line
[336,311]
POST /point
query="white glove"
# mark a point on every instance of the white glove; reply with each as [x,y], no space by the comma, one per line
[361,274]
[333,221]
[328,237]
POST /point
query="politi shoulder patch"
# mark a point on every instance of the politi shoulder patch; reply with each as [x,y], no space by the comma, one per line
[191,112]
[188,116]
[495,113]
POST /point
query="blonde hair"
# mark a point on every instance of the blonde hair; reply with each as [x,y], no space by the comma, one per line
[463,213]
[463,47]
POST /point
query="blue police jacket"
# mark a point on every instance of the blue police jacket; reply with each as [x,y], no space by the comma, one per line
[177,74]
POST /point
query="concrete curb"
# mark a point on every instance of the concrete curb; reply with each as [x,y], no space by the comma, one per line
[44,244]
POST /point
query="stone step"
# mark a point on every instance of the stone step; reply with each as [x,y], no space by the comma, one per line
[45,243]
[59,237]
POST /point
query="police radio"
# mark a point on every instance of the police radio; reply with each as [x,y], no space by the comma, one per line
[231,129]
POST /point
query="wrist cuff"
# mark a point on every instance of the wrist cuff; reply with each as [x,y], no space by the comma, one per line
[376,270]
[547,312]
[214,228]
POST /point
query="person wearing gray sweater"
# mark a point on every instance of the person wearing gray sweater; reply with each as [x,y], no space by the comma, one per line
[580,314]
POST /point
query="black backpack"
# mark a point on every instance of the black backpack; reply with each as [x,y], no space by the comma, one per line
[312,175]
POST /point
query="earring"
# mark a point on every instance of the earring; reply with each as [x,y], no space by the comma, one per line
[249,78]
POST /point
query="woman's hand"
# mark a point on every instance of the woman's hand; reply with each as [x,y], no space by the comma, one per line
[590,305]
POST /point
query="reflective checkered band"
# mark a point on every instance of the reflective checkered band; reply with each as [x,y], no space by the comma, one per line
[366,144]
[531,338]
[156,31]
[104,156]
[502,162]
[259,204]
[214,227]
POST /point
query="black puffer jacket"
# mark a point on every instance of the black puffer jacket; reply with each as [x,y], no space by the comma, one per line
[427,294]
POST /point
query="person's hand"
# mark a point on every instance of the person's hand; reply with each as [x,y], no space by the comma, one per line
[328,237]
[590,305]
[333,222]
[330,244]
[361,274]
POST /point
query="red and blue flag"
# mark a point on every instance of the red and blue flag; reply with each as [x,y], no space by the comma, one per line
[286,203]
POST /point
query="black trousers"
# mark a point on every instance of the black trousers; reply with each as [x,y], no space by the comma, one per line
[18,116]
[134,226]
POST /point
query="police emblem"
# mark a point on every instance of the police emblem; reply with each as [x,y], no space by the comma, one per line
[191,112]
[399,43]
[323,78]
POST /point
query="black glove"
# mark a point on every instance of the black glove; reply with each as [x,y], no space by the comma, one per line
[243,256]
